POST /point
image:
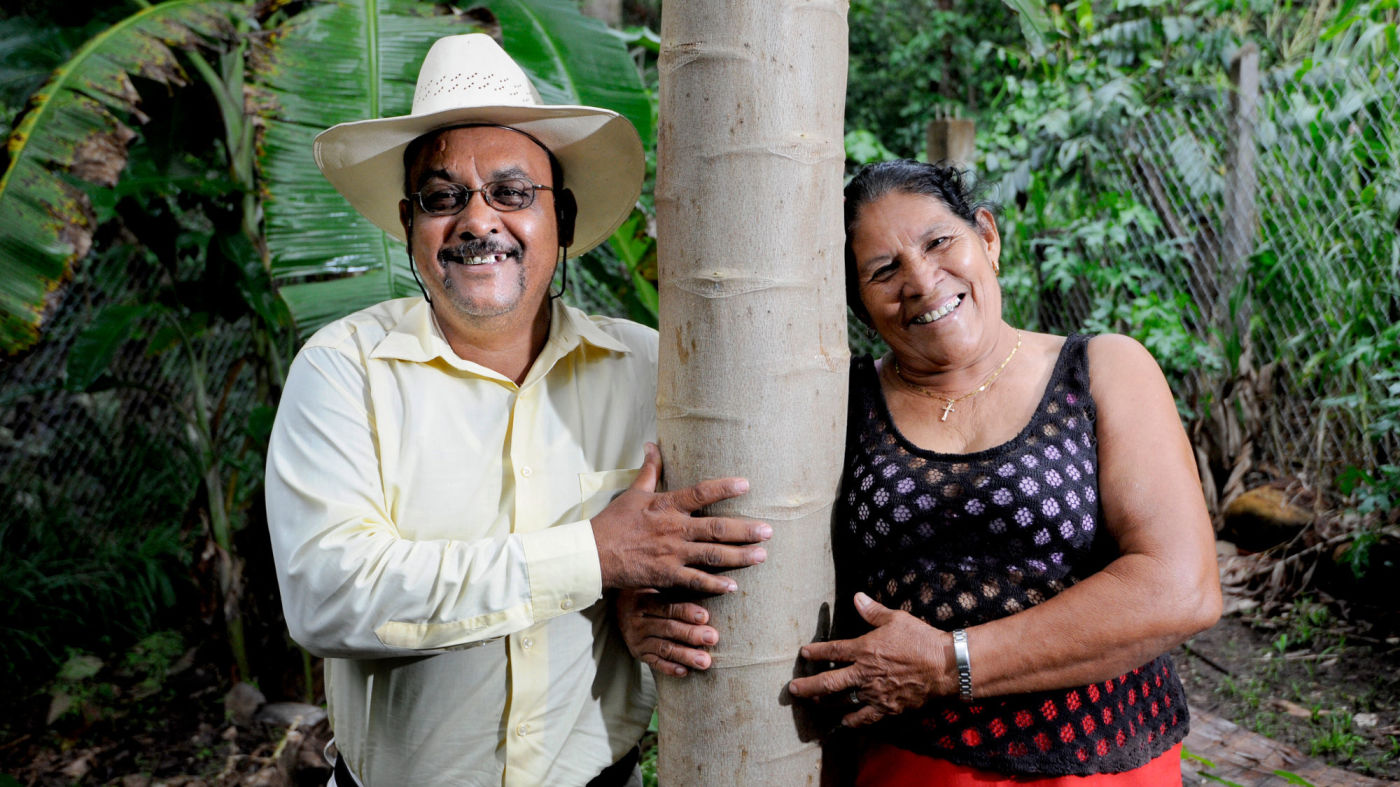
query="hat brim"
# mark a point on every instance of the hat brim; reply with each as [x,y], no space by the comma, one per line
[601,154]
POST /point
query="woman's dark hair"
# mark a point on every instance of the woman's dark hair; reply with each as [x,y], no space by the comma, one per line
[944,183]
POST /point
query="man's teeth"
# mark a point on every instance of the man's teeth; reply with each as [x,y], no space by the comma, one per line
[483,260]
[939,313]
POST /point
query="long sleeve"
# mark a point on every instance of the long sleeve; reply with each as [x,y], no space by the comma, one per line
[353,585]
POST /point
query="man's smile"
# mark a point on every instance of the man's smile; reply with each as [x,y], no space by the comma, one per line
[472,254]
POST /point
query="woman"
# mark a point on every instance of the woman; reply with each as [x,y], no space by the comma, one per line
[1020,525]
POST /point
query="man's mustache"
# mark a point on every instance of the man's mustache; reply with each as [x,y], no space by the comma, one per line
[480,248]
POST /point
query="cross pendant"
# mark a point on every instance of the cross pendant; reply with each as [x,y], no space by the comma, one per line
[947,408]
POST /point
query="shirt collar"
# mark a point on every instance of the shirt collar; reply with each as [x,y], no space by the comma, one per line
[416,337]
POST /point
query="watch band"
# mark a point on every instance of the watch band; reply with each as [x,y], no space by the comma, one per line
[964,665]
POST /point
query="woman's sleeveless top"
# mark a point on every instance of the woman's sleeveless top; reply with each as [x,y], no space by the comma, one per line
[963,539]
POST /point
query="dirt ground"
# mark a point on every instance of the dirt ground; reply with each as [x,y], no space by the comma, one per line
[1307,676]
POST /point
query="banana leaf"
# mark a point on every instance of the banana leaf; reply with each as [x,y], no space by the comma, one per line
[1036,26]
[335,62]
[339,62]
[574,59]
[74,133]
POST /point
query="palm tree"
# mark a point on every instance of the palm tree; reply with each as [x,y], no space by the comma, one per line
[753,355]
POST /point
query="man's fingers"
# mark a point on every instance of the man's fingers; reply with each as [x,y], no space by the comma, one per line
[661,665]
[670,650]
[723,556]
[650,473]
[687,611]
[703,582]
[667,654]
[705,493]
[727,530]
[823,683]
[655,607]
[677,631]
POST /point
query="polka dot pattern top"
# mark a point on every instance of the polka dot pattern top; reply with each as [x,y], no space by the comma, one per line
[963,539]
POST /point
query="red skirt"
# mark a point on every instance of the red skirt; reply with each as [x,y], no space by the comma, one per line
[882,764]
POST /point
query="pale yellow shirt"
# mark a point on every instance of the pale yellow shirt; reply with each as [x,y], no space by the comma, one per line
[429,521]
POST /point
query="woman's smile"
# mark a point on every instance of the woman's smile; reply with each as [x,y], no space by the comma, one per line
[947,308]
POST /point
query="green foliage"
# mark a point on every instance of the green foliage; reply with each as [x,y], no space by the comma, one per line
[89,689]
[1066,137]
[74,690]
[310,80]
[625,272]
[573,59]
[1308,620]
[29,52]
[911,59]
[650,752]
[89,580]
[151,660]
[74,130]
[863,147]
[92,551]
[1376,498]
[1335,738]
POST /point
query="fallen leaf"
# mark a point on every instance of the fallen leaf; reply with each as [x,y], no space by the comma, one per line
[80,667]
[1293,709]
[58,706]
[78,768]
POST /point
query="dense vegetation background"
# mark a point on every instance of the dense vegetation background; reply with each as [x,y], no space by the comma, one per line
[165,242]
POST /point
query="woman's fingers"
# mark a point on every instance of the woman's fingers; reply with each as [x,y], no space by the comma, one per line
[831,650]
[863,716]
[824,683]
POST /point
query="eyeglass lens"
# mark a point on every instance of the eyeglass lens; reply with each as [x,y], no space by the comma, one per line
[504,195]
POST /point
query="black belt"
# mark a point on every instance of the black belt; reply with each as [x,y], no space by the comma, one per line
[615,775]
[343,777]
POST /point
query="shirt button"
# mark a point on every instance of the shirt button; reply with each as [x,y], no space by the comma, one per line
[526,472]
[522,730]
[527,643]
[567,603]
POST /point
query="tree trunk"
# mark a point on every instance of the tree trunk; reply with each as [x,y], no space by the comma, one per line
[753,354]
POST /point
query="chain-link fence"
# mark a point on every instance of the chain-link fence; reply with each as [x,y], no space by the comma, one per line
[1261,223]
[99,477]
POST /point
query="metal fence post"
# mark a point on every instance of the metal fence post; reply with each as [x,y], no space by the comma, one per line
[1241,184]
[952,140]
[610,11]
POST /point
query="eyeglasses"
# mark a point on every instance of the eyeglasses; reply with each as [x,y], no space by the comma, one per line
[503,195]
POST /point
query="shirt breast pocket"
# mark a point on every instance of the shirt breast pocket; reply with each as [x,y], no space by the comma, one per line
[598,489]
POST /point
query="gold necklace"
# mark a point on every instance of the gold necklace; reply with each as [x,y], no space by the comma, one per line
[948,403]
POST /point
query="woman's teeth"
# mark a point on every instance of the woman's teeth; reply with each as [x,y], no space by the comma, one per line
[939,313]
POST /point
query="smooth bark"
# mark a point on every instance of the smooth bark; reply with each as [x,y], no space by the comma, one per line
[753,355]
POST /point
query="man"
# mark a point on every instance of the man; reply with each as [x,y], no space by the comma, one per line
[452,480]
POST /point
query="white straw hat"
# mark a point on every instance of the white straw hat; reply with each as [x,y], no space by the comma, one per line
[470,79]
